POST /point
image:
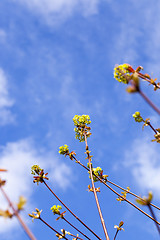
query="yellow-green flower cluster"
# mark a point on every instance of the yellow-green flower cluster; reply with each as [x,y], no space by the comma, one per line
[121,71]
[56,209]
[79,134]
[81,128]
[64,149]
[137,117]
[35,169]
[97,171]
[81,120]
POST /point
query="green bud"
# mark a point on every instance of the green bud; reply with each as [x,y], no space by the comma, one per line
[137,117]
[64,149]
[56,209]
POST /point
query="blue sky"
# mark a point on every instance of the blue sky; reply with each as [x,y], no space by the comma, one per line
[57,60]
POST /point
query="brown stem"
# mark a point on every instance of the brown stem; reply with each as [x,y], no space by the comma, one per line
[75,228]
[24,226]
[75,236]
[116,234]
[51,227]
[94,190]
[149,124]
[149,101]
[70,210]
[102,181]
[131,193]
[153,215]
[148,80]
[129,201]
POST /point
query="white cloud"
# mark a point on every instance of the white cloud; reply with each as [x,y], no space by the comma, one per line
[151,46]
[2,35]
[17,158]
[125,45]
[70,96]
[61,174]
[144,163]
[133,40]
[60,8]
[89,6]
[49,6]
[5,101]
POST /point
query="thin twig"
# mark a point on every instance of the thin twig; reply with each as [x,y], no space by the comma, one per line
[102,181]
[75,228]
[131,193]
[70,210]
[94,190]
[148,80]
[128,201]
[153,215]
[75,236]
[149,124]
[149,101]
[116,185]
[51,227]
[116,234]
[24,226]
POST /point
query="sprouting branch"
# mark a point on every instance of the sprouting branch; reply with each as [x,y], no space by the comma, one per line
[119,228]
[149,124]
[102,181]
[75,228]
[116,234]
[131,193]
[94,190]
[24,226]
[153,215]
[52,228]
[126,74]
[129,201]
[71,211]
[76,237]
[149,101]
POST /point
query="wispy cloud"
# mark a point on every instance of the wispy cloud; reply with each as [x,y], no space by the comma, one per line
[69,96]
[17,158]
[5,101]
[60,9]
[133,41]
[151,44]
[144,163]
[2,35]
